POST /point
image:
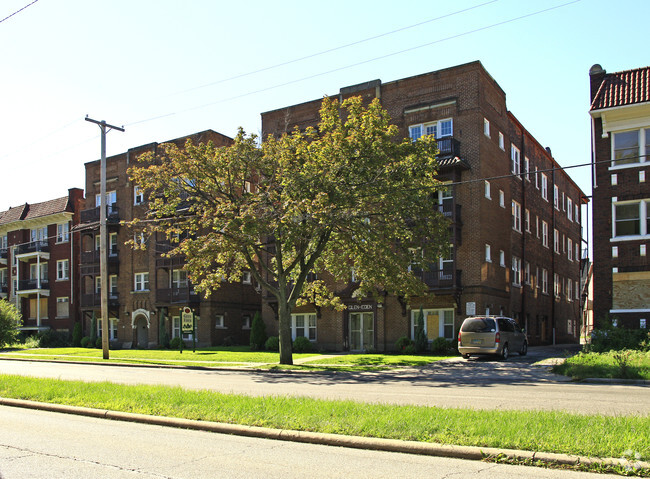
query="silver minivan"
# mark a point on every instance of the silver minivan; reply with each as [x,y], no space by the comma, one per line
[491,335]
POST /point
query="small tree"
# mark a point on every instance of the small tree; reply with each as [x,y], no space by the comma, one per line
[93,329]
[421,341]
[10,321]
[258,333]
[76,334]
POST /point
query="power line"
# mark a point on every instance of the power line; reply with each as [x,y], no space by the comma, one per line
[18,11]
[330,50]
[309,77]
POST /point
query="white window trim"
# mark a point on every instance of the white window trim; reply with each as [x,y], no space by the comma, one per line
[515,160]
[502,199]
[139,280]
[516,216]
[644,208]
[441,324]
[63,233]
[643,159]
[63,270]
[486,127]
[306,317]
[138,195]
[502,142]
[488,253]
[488,190]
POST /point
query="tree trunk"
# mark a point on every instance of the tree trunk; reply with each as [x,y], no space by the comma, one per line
[286,349]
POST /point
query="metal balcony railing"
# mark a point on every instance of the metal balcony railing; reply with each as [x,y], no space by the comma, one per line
[31,284]
[177,295]
[91,300]
[92,215]
[448,146]
[33,247]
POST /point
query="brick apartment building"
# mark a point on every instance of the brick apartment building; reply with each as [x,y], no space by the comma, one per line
[38,252]
[620,116]
[515,232]
[148,290]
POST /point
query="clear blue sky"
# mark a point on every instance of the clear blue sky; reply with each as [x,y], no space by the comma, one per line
[126,61]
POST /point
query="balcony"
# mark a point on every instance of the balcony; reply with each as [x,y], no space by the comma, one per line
[92,215]
[451,211]
[177,296]
[435,278]
[90,263]
[4,255]
[25,252]
[175,262]
[94,300]
[31,286]
[448,146]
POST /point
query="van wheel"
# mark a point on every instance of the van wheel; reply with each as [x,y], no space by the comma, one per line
[505,352]
[524,349]
[465,356]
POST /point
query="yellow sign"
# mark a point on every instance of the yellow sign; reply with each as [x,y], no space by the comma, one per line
[187,320]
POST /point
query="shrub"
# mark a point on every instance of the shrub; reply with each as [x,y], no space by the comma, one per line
[258,333]
[175,343]
[302,345]
[440,346]
[402,343]
[85,341]
[32,342]
[228,341]
[10,321]
[421,341]
[76,334]
[52,339]
[616,339]
[410,349]
[98,342]
[272,344]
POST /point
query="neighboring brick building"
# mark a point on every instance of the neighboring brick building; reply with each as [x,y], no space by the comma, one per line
[515,234]
[620,111]
[38,252]
[144,285]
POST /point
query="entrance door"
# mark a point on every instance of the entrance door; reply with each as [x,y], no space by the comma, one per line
[142,332]
[362,331]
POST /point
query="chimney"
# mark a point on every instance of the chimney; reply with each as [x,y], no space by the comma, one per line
[596,77]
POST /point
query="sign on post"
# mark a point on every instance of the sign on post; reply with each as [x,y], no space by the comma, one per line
[187,320]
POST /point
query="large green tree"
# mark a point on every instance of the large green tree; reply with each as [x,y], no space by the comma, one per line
[348,195]
[10,321]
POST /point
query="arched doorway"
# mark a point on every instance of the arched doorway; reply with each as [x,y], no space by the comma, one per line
[140,324]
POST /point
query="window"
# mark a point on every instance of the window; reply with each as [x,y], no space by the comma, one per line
[641,176]
[569,249]
[176,329]
[38,234]
[630,147]
[3,278]
[39,273]
[247,186]
[219,322]
[112,283]
[563,203]
[544,281]
[577,256]
[576,213]
[179,279]
[557,286]
[527,278]
[544,233]
[488,253]
[527,168]
[41,306]
[556,197]
[556,240]
[569,290]
[303,325]
[112,244]
[527,220]
[544,187]
[62,232]
[614,180]
[642,250]
[112,329]
[246,277]
[487,190]
[569,209]
[111,199]
[516,216]
[141,281]
[437,323]
[537,226]
[486,127]
[138,239]
[502,143]
[515,160]
[62,307]
[138,195]
[502,258]
[62,270]
[502,199]
[3,242]
[516,271]
[536,178]
[631,218]
[246,321]
[614,251]
[537,277]
[438,129]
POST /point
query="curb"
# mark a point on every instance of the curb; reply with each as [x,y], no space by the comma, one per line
[627,382]
[356,442]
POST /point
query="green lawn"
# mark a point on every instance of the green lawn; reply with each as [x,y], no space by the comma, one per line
[594,436]
[613,364]
[231,356]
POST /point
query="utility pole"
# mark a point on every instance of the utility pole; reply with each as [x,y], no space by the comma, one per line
[103,253]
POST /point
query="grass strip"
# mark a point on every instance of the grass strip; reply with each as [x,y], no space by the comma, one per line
[625,364]
[593,436]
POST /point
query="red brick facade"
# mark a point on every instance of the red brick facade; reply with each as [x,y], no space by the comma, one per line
[459,102]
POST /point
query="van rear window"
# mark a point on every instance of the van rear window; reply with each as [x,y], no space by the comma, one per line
[479,325]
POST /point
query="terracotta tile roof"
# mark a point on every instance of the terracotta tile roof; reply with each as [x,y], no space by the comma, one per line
[623,88]
[37,210]
[13,214]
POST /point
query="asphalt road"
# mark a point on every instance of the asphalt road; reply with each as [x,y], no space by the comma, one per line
[45,445]
[477,384]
